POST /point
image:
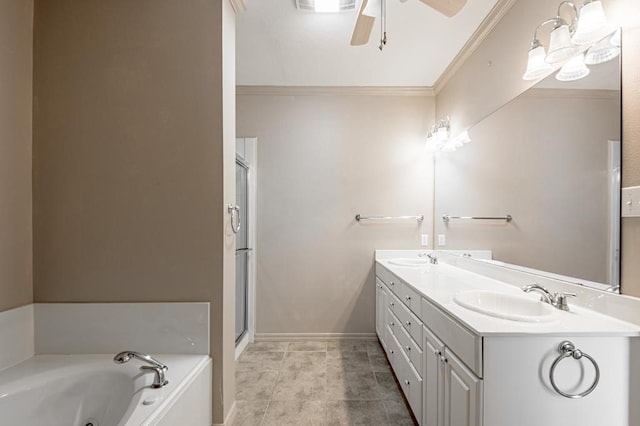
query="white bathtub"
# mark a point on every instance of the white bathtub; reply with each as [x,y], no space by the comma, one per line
[80,390]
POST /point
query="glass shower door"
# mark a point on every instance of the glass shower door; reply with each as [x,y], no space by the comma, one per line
[242,251]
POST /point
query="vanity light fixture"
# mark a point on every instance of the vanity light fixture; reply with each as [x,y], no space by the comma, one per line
[592,24]
[567,42]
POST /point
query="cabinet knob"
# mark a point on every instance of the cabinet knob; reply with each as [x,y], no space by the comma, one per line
[408,297]
[391,304]
[408,323]
[408,348]
[439,353]
[392,323]
[406,382]
[392,352]
[392,283]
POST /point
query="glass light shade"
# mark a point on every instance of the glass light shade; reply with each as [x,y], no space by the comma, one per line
[327,6]
[561,47]
[536,66]
[373,8]
[592,24]
[601,52]
[616,38]
[442,134]
[575,69]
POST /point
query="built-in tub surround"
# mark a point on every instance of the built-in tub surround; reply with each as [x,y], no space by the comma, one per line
[45,361]
[82,389]
[484,359]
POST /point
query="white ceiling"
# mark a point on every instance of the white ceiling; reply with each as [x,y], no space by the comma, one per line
[277,45]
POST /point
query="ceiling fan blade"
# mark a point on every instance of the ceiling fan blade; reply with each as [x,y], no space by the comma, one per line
[363,27]
[446,7]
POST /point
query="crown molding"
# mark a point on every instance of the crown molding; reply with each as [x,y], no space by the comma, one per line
[572,93]
[333,91]
[488,24]
[238,6]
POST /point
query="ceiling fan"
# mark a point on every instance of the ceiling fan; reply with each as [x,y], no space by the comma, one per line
[370,9]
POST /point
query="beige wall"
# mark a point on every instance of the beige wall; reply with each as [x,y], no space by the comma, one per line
[492,76]
[321,160]
[130,133]
[16,53]
[543,158]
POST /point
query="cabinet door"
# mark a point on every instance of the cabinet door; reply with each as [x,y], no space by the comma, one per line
[462,394]
[433,386]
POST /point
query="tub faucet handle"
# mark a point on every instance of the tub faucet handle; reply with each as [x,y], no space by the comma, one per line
[159,380]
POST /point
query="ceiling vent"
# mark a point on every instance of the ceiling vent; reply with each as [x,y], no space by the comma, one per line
[310,5]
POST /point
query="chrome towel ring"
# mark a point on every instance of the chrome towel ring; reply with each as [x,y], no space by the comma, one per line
[568,349]
[234,211]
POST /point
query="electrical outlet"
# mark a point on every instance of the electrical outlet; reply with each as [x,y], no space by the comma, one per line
[424,240]
[442,240]
[631,201]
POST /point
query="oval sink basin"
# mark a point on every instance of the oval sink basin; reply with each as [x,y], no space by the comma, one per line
[409,261]
[506,306]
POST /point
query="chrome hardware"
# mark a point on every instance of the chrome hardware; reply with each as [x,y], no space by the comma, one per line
[392,324]
[406,382]
[419,217]
[391,305]
[408,348]
[567,349]
[156,366]
[446,218]
[408,297]
[408,323]
[432,259]
[561,300]
[392,352]
[392,283]
[234,211]
[158,379]
[557,300]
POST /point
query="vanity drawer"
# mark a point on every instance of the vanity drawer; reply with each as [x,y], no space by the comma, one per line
[393,303]
[393,347]
[410,297]
[410,382]
[411,349]
[390,280]
[410,322]
[393,324]
[466,345]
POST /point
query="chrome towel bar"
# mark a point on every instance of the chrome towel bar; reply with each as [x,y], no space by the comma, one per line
[447,218]
[419,217]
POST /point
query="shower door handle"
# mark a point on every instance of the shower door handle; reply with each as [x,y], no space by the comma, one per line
[234,211]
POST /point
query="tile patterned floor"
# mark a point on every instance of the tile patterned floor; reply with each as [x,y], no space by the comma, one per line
[345,382]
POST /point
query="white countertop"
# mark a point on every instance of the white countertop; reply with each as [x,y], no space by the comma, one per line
[439,283]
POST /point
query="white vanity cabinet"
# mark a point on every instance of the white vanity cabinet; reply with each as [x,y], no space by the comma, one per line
[452,393]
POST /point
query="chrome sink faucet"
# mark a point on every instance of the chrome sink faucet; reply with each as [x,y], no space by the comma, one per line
[557,300]
[156,366]
[432,259]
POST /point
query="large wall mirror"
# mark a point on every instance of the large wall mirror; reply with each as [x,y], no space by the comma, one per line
[551,159]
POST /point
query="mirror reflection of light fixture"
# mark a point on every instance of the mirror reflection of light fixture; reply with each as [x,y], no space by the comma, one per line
[573,70]
[439,139]
[616,38]
[592,24]
[602,51]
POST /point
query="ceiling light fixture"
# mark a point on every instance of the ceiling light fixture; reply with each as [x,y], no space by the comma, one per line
[327,6]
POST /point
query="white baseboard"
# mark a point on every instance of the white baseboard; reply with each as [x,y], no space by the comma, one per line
[240,347]
[272,337]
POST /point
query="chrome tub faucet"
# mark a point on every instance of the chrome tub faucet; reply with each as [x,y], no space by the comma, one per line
[156,366]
